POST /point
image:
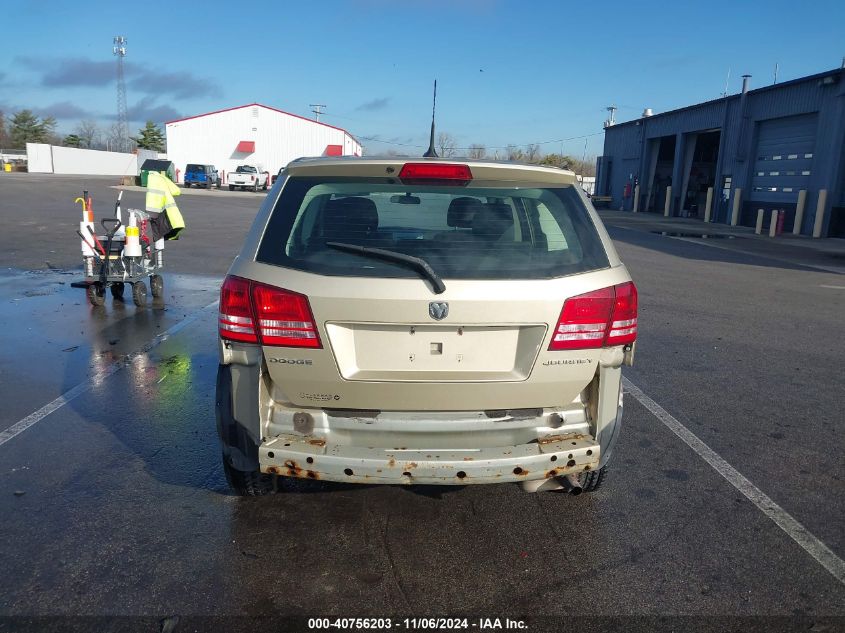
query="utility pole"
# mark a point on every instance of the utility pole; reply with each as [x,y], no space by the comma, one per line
[318,109]
[119,51]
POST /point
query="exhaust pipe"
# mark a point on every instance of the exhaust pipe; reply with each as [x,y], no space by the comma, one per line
[571,484]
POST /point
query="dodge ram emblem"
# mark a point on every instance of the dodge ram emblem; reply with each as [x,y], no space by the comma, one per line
[438,310]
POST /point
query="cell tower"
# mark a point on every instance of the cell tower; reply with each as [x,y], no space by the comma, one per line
[119,51]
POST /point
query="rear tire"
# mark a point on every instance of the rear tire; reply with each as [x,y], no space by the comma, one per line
[96,293]
[187,185]
[117,291]
[593,479]
[255,186]
[231,187]
[139,294]
[264,188]
[250,484]
[157,286]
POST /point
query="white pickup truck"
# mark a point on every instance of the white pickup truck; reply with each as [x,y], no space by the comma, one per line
[248,177]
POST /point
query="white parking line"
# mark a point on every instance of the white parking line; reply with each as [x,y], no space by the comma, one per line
[786,522]
[832,287]
[74,392]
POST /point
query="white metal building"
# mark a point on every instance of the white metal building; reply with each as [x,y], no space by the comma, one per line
[255,135]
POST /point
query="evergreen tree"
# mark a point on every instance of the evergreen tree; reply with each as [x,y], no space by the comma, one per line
[150,137]
[71,140]
[28,128]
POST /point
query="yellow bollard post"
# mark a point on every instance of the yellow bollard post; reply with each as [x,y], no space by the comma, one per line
[737,201]
[667,207]
[799,212]
[819,223]
[709,205]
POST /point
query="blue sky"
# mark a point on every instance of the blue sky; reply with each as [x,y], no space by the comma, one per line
[508,71]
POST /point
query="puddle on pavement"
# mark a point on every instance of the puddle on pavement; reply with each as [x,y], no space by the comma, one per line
[702,236]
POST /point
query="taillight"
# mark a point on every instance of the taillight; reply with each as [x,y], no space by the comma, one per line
[283,318]
[236,320]
[623,324]
[600,318]
[435,173]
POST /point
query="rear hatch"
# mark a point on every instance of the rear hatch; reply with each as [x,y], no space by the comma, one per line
[428,292]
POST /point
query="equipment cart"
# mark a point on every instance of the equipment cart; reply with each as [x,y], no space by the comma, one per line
[119,257]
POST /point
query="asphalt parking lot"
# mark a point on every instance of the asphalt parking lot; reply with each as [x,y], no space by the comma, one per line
[723,511]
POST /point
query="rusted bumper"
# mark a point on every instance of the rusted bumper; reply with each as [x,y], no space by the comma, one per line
[316,458]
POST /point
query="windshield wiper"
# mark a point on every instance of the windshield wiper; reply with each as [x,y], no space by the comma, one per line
[417,263]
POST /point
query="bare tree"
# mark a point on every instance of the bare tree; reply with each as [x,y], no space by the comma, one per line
[446,144]
[89,133]
[114,140]
[477,151]
[532,153]
[514,153]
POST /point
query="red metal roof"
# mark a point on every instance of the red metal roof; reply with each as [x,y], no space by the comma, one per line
[333,150]
[247,147]
[249,105]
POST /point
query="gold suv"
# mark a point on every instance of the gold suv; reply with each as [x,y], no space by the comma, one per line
[423,321]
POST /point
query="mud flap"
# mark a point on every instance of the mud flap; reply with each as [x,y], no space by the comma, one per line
[240,448]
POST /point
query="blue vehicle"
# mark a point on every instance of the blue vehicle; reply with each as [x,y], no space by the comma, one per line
[202,176]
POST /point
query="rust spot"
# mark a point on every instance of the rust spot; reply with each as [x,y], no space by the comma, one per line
[313,475]
[293,468]
[519,471]
[317,441]
[468,459]
[570,463]
[587,467]
[391,463]
[560,438]
[406,474]
[273,470]
[411,465]
[552,473]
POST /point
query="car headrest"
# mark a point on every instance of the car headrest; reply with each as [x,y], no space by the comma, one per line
[349,218]
[492,220]
[461,212]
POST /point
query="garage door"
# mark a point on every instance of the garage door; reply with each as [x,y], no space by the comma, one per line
[784,158]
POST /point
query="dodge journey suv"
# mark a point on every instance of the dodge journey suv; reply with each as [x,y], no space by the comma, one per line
[423,321]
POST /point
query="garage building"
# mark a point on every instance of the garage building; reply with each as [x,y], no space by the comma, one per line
[253,134]
[758,150]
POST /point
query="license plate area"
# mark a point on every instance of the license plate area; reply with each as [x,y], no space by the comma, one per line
[392,352]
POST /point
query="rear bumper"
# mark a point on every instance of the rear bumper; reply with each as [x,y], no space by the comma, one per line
[314,458]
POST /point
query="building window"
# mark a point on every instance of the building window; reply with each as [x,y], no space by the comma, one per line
[761,173]
[778,157]
[791,156]
[805,173]
[787,189]
[790,173]
[808,155]
[774,173]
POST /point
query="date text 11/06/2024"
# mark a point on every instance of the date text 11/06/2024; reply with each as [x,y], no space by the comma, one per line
[480,624]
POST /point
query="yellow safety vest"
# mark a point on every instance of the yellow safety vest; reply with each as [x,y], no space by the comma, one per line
[160,199]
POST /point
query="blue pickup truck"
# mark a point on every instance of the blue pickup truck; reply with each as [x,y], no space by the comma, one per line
[202,176]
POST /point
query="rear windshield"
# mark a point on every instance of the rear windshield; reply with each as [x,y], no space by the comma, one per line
[196,168]
[461,232]
[245,169]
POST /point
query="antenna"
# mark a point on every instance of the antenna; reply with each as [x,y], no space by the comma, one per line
[430,153]
[727,80]
[611,120]
[776,73]
[317,109]
[119,51]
